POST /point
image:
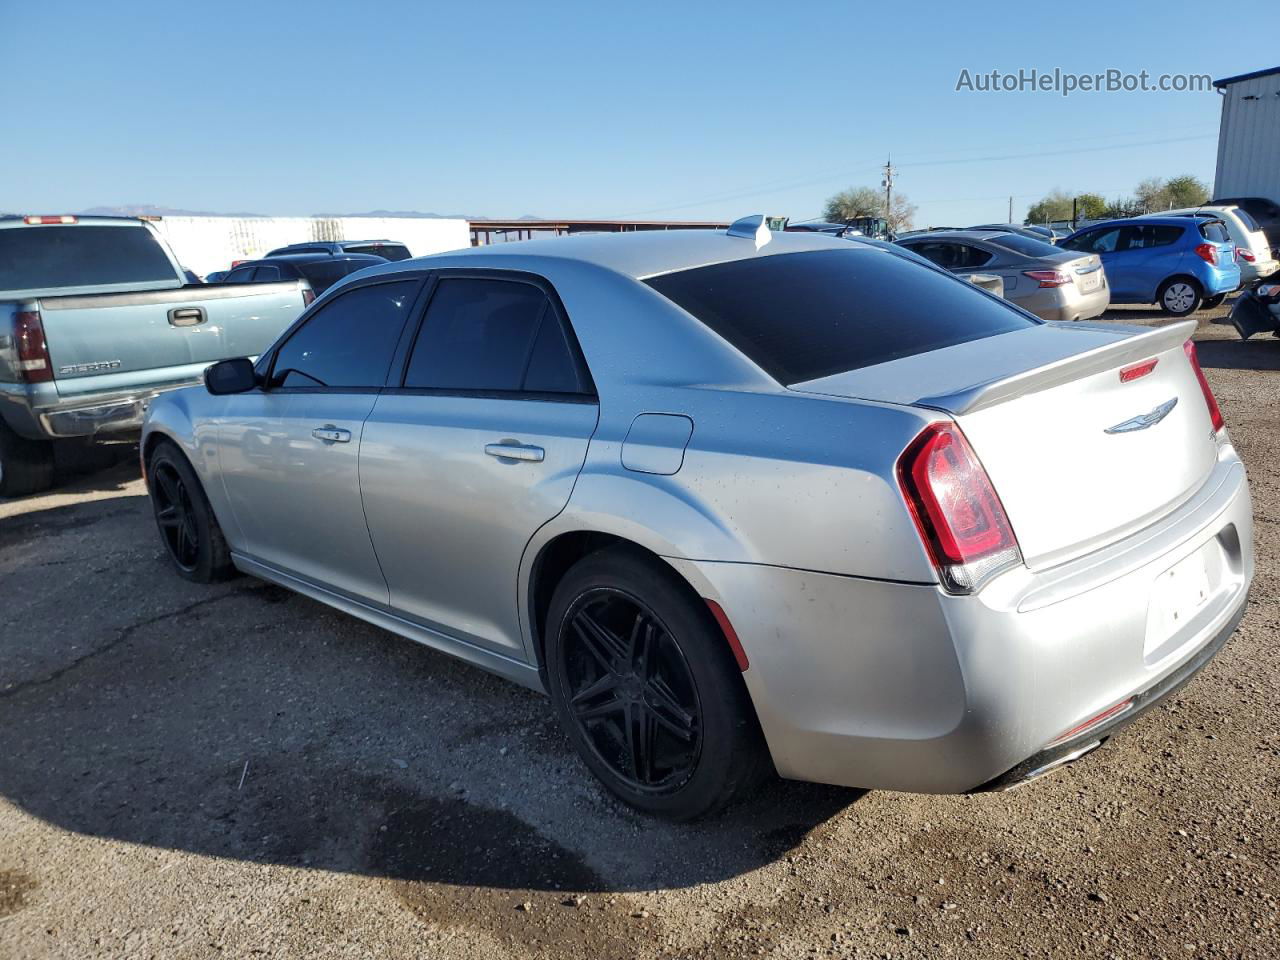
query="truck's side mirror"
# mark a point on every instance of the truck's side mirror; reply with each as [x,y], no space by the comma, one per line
[230,376]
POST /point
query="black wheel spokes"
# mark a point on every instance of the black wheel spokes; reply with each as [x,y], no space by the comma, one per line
[176,516]
[633,692]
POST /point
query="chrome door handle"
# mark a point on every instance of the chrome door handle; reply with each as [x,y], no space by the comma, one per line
[515,451]
[332,434]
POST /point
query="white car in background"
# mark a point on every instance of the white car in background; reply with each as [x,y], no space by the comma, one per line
[1253,251]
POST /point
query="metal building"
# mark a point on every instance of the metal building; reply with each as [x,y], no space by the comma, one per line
[1249,138]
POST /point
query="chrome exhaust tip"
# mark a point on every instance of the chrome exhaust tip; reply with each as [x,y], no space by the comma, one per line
[1052,765]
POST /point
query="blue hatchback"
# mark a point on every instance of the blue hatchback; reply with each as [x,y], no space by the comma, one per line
[1177,263]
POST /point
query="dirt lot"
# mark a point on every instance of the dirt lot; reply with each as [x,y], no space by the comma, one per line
[195,772]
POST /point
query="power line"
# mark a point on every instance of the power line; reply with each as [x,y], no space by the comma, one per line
[844,172]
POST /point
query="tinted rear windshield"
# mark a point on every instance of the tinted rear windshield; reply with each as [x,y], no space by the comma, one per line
[1025,245]
[322,274]
[801,316]
[47,257]
[388,251]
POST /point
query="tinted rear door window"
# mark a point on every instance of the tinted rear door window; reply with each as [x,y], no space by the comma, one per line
[349,342]
[802,316]
[47,257]
[492,336]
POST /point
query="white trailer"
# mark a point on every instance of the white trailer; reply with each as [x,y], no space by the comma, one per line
[205,244]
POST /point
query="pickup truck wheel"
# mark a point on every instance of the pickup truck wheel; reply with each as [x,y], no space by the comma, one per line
[26,466]
[188,528]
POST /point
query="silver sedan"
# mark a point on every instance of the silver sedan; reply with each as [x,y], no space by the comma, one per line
[740,502]
[1052,283]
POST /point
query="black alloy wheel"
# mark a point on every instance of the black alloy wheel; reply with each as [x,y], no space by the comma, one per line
[175,515]
[631,691]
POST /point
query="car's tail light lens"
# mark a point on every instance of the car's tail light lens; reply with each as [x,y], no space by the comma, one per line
[956,509]
[1245,255]
[1208,252]
[308,297]
[1048,278]
[34,365]
[1215,414]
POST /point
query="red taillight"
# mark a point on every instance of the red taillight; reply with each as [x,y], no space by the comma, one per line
[1208,252]
[34,365]
[1138,370]
[61,219]
[1215,414]
[730,635]
[308,297]
[1048,278]
[1245,255]
[956,509]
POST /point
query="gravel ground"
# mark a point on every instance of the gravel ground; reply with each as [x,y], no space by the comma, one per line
[195,772]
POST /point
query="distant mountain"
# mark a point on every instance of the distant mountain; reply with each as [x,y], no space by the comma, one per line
[151,210]
[402,214]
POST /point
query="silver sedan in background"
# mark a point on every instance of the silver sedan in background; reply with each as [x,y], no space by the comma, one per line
[740,502]
[1053,284]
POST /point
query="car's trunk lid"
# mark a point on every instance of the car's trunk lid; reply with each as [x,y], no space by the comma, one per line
[1078,456]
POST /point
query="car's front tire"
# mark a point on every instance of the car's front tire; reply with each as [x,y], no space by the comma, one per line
[1214,301]
[646,687]
[1180,296]
[188,529]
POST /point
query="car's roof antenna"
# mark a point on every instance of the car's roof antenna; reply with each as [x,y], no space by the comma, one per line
[754,227]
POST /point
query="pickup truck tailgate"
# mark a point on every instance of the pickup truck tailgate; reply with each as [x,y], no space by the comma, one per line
[131,333]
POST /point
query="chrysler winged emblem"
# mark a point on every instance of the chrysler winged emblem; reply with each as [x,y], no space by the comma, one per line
[1144,420]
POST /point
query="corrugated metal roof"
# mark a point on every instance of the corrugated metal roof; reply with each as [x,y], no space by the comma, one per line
[1246,76]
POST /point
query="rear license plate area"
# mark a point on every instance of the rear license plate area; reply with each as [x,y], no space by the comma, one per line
[1180,593]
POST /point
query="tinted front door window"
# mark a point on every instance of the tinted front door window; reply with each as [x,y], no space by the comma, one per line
[348,342]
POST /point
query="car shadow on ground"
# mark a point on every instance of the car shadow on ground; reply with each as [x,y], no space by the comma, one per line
[1256,353]
[247,722]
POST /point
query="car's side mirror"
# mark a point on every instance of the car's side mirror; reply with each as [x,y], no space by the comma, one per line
[230,376]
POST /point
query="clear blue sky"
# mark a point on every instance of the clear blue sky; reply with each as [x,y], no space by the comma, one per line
[657,110]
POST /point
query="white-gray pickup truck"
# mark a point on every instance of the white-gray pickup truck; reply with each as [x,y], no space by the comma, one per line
[96,318]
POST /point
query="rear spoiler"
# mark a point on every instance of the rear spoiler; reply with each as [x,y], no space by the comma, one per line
[1140,346]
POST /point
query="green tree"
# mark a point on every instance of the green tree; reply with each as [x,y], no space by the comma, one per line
[869,202]
[1056,205]
[854,202]
[1122,207]
[1090,206]
[1149,194]
[1185,191]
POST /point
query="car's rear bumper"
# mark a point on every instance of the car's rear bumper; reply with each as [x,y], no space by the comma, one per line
[40,412]
[1067,303]
[902,686]
[1258,270]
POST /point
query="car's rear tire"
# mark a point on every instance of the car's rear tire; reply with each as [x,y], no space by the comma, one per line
[646,687]
[26,466]
[1180,296]
[1214,301]
[188,529]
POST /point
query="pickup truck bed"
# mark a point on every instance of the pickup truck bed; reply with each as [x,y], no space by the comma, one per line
[83,359]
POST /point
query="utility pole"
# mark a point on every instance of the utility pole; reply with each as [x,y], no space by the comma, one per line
[887,183]
[1010,220]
